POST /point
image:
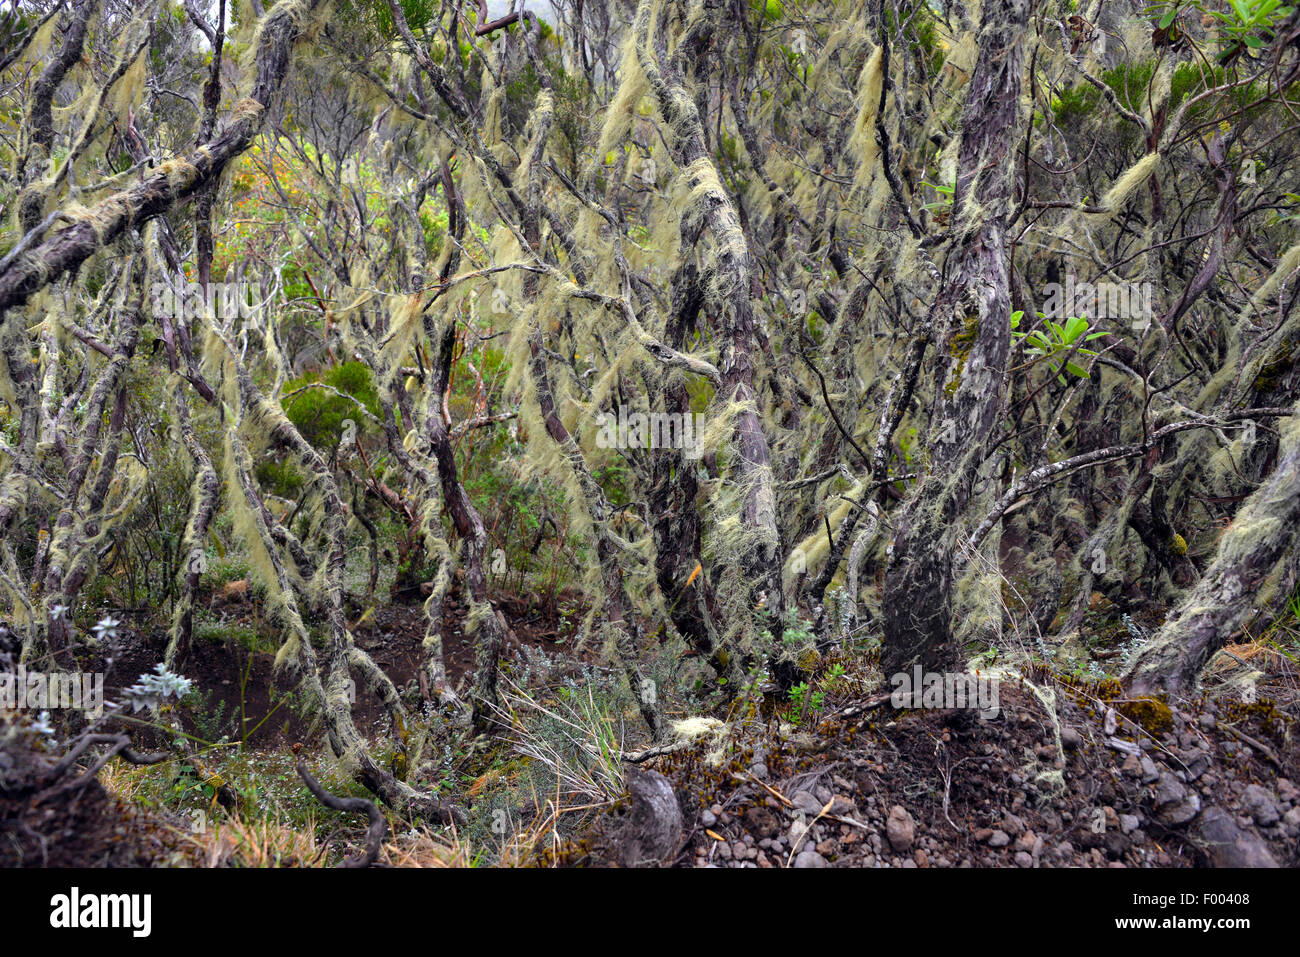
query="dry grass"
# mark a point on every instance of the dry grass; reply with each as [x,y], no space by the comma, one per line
[259,843]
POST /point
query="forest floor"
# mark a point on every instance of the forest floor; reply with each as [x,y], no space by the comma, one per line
[1067,774]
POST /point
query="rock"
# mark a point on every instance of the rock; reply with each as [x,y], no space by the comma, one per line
[762,822]
[1197,764]
[1292,821]
[1286,790]
[842,806]
[1013,825]
[922,859]
[810,858]
[1174,803]
[805,801]
[1132,766]
[759,770]
[1071,739]
[1116,844]
[900,829]
[1026,841]
[724,851]
[739,850]
[1169,790]
[1024,859]
[1261,805]
[1128,823]
[999,839]
[1149,770]
[708,818]
[1229,846]
[1208,722]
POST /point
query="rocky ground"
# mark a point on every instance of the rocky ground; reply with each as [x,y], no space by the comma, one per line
[1070,773]
[1212,785]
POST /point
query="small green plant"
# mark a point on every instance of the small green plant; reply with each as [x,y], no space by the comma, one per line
[1056,341]
[946,195]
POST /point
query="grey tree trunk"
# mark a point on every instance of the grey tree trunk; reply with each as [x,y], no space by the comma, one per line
[972,313]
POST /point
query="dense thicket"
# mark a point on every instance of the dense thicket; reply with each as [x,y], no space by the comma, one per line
[978,312]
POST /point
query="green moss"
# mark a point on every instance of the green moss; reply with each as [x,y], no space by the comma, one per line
[1274,368]
[959,348]
[1152,714]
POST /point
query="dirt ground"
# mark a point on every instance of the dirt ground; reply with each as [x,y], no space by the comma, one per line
[1068,774]
[1210,786]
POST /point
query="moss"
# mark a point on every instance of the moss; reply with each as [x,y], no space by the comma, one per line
[959,347]
[1262,715]
[1274,368]
[1178,545]
[1152,714]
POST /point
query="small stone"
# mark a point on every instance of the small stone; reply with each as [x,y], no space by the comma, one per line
[842,806]
[1129,823]
[1292,821]
[900,829]
[1174,803]
[806,802]
[724,851]
[1013,825]
[810,858]
[1071,739]
[999,839]
[708,818]
[1024,859]
[1261,805]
